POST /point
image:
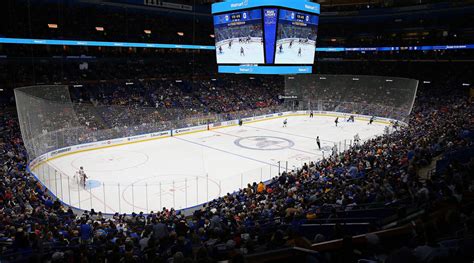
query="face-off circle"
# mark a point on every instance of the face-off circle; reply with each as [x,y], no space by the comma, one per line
[264,143]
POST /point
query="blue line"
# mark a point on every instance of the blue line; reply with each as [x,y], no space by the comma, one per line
[224,151]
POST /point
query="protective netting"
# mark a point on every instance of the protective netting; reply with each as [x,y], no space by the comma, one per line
[49,120]
[46,115]
[367,95]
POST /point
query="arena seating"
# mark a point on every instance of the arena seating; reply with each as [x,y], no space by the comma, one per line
[402,197]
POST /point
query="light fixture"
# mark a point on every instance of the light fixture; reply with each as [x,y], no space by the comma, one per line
[212,35]
[180,34]
[147,31]
[99,28]
[53,26]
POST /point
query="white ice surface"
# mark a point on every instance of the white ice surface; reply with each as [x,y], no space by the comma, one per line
[253,53]
[187,170]
[290,55]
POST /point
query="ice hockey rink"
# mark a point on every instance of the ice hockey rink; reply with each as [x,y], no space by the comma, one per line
[290,55]
[253,53]
[190,169]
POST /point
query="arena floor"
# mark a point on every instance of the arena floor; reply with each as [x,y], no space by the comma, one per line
[187,170]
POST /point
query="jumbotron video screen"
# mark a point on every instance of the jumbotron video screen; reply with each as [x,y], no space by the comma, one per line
[296,37]
[276,38]
[239,37]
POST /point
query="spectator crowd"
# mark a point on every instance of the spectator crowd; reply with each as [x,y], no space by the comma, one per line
[257,218]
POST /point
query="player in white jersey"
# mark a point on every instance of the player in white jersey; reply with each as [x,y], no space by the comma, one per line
[356,138]
[285,122]
[82,176]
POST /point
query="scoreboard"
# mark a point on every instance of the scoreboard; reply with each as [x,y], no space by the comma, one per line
[265,36]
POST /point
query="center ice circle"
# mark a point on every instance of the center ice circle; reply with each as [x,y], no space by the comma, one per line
[109,162]
[264,143]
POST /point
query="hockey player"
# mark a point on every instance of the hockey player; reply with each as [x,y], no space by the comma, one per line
[371,120]
[242,52]
[356,139]
[318,142]
[285,122]
[350,119]
[336,121]
[395,125]
[311,114]
[220,49]
[241,122]
[281,48]
[299,52]
[291,43]
[83,177]
[230,44]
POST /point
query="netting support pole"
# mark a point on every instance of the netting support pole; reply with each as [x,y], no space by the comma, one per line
[69,190]
[286,167]
[119,201]
[261,174]
[345,145]
[340,147]
[174,196]
[133,198]
[186,192]
[79,196]
[90,195]
[146,196]
[61,183]
[279,171]
[44,177]
[55,183]
[103,191]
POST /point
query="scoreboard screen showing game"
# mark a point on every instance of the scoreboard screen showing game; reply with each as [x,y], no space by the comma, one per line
[265,36]
[296,37]
[239,37]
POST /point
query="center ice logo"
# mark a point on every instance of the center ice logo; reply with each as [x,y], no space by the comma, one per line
[264,143]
